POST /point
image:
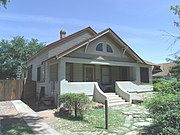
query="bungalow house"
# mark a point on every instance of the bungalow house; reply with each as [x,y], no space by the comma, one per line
[94,63]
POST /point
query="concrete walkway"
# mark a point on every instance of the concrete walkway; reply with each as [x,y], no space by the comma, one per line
[32,119]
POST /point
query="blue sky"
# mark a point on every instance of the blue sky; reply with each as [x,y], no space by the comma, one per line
[142,24]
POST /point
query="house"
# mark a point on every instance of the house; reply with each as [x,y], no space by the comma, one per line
[89,62]
[162,70]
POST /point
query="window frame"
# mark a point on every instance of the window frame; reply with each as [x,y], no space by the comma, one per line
[41,73]
[108,45]
[100,43]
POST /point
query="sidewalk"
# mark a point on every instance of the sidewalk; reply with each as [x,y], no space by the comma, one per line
[32,119]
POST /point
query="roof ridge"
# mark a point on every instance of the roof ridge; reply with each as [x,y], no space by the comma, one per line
[70,36]
[63,39]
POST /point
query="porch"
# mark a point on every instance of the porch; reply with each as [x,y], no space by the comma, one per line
[85,75]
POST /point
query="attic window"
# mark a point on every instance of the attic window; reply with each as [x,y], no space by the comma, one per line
[99,47]
[109,48]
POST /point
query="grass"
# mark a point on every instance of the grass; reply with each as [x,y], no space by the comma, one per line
[94,121]
[14,125]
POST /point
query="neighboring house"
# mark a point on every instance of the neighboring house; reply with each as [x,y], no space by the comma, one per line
[162,70]
[87,62]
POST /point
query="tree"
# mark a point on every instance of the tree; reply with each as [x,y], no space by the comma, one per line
[176,10]
[175,70]
[15,53]
[4,2]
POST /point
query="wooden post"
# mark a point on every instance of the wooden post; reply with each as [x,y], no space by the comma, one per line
[106,112]
[75,110]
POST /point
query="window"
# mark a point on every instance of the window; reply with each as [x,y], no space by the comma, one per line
[106,75]
[69,72]
[39,74]
[144,73]
[99,47]
[109,48]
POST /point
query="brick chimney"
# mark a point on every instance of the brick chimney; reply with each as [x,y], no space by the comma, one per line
[62,34]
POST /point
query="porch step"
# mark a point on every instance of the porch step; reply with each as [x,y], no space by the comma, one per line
[115,100]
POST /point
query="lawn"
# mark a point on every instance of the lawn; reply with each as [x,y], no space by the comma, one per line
[15,125]
[93,122]
[122,119]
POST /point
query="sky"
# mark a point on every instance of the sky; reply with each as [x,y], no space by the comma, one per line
[145,25]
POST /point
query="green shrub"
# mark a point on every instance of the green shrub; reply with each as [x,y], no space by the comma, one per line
[76,102]
[165,111]
[167,86]
[165,107]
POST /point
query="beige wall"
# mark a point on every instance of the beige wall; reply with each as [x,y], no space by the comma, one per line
[69,44]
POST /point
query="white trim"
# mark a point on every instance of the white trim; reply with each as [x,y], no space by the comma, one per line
[58,57]
[90,61]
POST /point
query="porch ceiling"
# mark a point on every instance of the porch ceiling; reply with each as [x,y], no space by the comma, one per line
[98,62]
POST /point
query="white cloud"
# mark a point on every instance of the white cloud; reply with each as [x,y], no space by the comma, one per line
[76,22]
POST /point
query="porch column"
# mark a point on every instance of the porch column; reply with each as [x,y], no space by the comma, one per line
[138,78]
[150,75]
[61,73]
[47,76]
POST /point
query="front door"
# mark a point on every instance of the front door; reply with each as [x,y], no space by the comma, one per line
[88,73]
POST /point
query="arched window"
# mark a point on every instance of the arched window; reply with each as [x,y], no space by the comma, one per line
[99,47]
[109,48]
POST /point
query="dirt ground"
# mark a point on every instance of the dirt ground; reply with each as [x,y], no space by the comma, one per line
[47,114]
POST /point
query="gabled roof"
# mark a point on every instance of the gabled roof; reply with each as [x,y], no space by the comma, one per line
[87,41]
[71,36]
[51,45]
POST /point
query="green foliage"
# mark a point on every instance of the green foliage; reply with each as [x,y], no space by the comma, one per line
[176,10]
[15,53]
[165,107]
[4,2]
[176,69]
[167,86]
[76,102]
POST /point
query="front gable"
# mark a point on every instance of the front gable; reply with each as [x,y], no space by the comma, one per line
[110,50]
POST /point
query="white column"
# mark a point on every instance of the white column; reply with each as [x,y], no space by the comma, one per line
[150,75]
[47,77]
[61,73]
[138,78]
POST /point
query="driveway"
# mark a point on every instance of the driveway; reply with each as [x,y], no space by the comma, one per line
[33,120]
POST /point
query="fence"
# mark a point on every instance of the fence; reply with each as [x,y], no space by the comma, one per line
[16,89]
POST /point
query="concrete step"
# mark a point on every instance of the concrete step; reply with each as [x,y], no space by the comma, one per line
[118,103]
[110,94]
[116,100]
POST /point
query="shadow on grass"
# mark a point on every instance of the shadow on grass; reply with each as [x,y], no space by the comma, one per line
[98,127]
[150,130]
[68,116]
[14,125]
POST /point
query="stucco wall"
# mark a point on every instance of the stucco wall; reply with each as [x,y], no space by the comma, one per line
[77,87]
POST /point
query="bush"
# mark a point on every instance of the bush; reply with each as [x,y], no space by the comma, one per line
[76,102]
[165,107]
[165,111]
[167,86]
